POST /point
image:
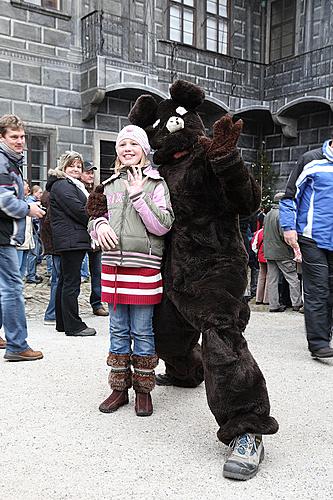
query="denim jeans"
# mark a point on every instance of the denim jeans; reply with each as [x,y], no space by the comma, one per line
[95,268]
[49,264]
[32,259]
[12,311]
[22,258]
[132,321]
[84,267]
[50,314]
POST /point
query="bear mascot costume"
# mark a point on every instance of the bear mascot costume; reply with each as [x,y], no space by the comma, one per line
[205,270]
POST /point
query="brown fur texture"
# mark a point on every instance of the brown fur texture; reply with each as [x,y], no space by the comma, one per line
[97,204]
[120,376]
[144,374]
[205,268]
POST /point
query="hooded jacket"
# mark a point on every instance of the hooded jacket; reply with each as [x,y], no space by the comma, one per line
[67,213]
[13,207]
[139,221]
[308,203]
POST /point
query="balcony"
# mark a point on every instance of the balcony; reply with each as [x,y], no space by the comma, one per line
[310,73]
[122,41]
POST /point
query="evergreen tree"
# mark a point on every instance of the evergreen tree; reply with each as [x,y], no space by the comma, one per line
[266,178]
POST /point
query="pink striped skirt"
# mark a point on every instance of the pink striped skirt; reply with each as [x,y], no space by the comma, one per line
[131,285]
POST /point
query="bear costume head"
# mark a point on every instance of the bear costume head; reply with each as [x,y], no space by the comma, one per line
[173,125]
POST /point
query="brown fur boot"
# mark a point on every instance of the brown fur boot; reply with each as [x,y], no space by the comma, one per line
[144,383]
[114,401]
[120,380]
[143,404]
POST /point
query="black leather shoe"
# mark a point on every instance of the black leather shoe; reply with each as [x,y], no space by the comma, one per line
[324,352]
[100,312]
[87,332]
[280,309]
[36,281]
[164,379]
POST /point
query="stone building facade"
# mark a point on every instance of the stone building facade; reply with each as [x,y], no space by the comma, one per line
[72,69]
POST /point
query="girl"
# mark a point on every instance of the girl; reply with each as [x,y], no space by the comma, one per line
[130,220]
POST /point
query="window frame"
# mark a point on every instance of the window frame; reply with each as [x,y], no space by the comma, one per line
[50,135]
[180,4]
[281,24]
[63,12]
[218,18]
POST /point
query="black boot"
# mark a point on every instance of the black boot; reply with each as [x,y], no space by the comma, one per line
[165,379]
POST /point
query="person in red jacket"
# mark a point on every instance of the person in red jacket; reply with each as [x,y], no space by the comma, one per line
[257,245]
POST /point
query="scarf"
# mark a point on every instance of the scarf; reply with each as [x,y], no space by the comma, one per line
[16,158]
[79,184]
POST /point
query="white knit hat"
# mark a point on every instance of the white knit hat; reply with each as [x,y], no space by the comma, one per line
[137,134]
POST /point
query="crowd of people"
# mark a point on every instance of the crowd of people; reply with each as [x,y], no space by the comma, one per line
[55,224]
[275,269]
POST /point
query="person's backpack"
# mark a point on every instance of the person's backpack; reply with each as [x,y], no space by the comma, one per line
[254,242]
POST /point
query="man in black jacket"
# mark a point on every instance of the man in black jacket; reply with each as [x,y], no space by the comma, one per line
[13,211]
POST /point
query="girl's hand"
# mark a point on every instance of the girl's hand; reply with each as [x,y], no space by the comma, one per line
[106,237]
[135,182]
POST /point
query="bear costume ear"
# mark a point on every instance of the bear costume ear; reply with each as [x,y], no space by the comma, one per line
[143,112]
[187,94]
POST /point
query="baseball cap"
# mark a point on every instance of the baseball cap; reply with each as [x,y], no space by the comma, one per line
[87,165]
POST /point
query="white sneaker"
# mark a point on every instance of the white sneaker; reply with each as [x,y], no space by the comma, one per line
[246,453]
[49,322]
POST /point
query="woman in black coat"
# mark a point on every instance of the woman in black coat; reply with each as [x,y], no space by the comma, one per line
[69,220]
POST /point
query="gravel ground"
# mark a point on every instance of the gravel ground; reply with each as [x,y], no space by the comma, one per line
[55,444]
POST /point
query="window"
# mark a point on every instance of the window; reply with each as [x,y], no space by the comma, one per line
[181,21]
[36,159]
[217,26]
[47,4]
[107,159]
[282,43]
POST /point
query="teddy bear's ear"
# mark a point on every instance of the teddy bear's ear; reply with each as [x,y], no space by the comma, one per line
[187,94]
[143,112]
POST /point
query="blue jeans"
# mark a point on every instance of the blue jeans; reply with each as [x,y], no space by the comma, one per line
[132,321]
[95,268]
[84,267]
[49,264]
[32,259]
[50,314]
[22,258]
[12,311]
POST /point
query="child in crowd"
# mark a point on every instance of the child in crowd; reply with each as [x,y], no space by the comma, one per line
[129,221]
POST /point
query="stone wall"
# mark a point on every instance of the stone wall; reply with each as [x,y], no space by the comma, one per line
[283,152]
[44,76]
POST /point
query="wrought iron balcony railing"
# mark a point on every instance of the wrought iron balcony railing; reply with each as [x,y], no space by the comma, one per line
[116,37]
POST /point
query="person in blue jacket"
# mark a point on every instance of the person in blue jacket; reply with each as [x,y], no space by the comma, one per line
[13,211]
[306,217]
